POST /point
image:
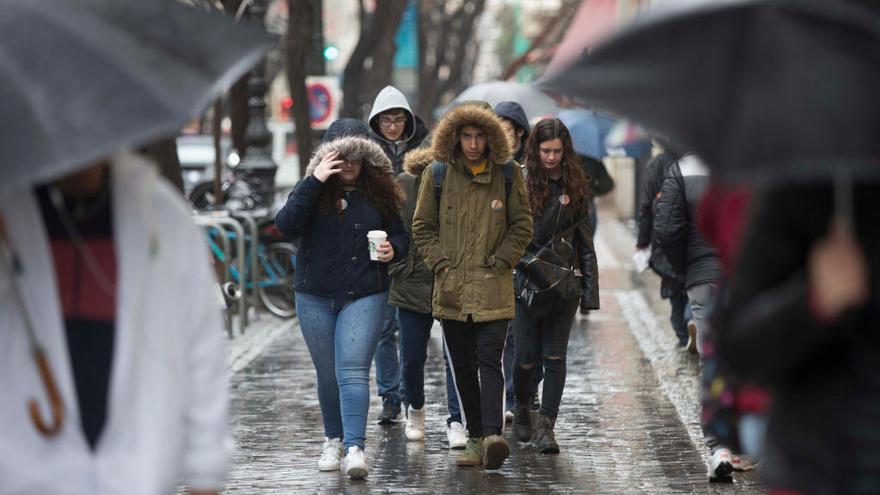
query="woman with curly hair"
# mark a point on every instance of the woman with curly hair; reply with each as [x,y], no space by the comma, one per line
[557,188]
[341,293]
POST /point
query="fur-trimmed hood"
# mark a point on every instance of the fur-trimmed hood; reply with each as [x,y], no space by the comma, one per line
[417,160]
[352,148]
[444,137]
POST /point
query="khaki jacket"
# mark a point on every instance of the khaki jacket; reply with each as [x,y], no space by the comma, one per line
[481,234]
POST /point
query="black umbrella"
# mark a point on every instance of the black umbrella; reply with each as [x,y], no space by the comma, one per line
[781,88]
[81,79]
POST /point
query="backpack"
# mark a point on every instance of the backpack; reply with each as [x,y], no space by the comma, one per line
[438,169]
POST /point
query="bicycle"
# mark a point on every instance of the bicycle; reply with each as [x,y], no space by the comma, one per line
[275,261]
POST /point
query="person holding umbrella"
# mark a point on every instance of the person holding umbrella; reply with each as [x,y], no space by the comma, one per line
[557,188]
[802,310]
[105,281]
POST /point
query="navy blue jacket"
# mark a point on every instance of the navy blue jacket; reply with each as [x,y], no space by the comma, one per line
[333,259]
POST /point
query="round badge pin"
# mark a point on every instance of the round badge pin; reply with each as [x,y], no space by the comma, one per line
[343,203]
[497,205]
[564,199]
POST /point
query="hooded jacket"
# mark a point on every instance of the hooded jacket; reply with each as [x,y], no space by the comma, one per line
[514,112]
[413,133]
[168,395]
[412,282]
[474,231]
[333,259]
[345,127]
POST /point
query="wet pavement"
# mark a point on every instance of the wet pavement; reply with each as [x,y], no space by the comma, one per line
[620,427]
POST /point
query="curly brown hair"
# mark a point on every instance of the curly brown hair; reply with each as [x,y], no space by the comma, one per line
[574,179]
[381,189]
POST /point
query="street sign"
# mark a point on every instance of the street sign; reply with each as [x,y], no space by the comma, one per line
[324,99]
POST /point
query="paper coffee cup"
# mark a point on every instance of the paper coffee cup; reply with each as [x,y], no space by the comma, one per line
[374,238]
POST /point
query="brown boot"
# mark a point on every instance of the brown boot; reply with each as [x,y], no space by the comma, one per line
[545,439]
[495,451]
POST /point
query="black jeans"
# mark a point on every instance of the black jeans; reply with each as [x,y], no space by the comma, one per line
[679,316]
[472,348]
[537,340]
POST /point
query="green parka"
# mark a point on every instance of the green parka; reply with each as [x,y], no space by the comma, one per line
[412,281]
[481,233]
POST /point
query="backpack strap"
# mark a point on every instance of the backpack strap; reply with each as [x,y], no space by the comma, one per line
[507,170]
[438,170]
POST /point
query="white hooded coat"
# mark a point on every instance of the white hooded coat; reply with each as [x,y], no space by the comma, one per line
[168,394]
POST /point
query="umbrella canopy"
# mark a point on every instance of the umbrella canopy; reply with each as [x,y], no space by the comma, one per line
[589,134]
[81,79]
[534,101]
[774,88]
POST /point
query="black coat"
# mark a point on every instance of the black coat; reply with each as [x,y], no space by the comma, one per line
[675,225]
[333,259]
[655,172]
[551,220]
[824,431]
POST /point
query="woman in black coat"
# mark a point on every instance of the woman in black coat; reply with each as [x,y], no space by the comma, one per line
[557,187]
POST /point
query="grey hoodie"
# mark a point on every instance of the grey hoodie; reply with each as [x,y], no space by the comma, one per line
[413,134]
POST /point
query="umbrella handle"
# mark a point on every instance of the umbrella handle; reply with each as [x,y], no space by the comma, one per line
[57,406]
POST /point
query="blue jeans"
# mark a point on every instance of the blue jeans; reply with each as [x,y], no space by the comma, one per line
[415,330]
[342,341]
[387,365]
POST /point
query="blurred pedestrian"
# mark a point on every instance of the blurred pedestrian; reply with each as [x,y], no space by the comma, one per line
[671,283]
[516,126]
[802,319]
[412,284]
[696,261]
[114,280]
[341,293]
[471,224]
[398,131]
[557,188]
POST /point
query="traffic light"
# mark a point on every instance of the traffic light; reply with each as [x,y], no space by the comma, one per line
[331,52]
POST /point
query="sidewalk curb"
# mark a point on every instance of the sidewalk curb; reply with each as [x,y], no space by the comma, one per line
[676,372]
[243,349]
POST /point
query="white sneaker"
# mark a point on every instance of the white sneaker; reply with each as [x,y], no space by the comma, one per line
[456,435]
[415,424]
[721,466]
[354,465]
[331,453]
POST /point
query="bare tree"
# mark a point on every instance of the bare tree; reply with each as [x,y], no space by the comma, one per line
[301,20]
[447,53]
[370,65]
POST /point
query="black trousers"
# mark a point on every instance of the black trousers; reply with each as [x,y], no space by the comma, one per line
[477,348]
[536,341]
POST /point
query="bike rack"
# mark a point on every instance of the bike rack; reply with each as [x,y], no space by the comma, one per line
[209,224]
[250,219]
[216,221]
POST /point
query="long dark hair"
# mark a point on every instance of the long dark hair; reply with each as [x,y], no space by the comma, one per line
[574,179]
[381,189]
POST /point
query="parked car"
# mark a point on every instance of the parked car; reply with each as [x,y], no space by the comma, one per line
[196,155]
